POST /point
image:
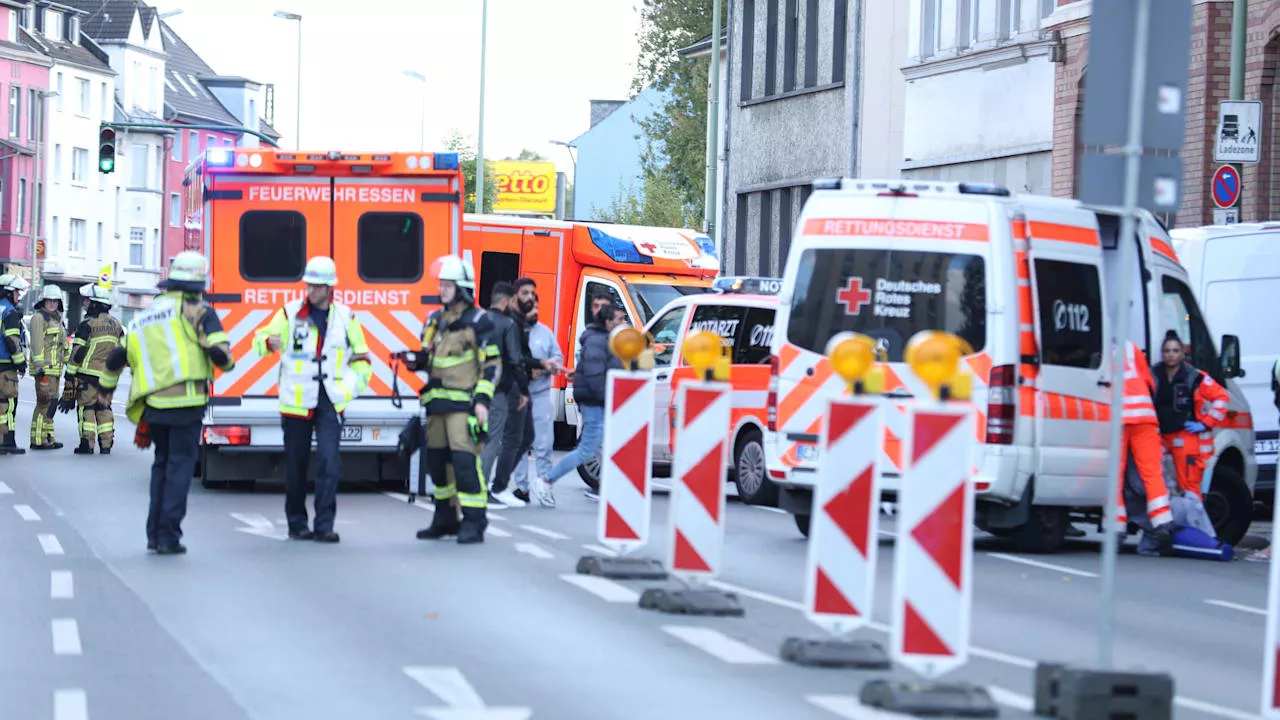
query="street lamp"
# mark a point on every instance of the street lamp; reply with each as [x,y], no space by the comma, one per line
[294,16]
[422,122]
[480,168]
[570,147]
[171,13]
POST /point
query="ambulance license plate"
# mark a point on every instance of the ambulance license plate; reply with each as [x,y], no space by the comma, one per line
[1266,447]
[352,433]
[808,453]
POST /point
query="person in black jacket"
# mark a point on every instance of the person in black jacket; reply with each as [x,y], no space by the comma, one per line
[512,394]
[589,375]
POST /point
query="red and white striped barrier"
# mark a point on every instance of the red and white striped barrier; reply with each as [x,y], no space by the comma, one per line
[626,472]
[696,549]
[840,576]
[932,585]
[1271,657]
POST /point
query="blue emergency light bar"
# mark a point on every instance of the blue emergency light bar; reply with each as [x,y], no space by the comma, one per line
[220,157]
[747,285]
[446,161]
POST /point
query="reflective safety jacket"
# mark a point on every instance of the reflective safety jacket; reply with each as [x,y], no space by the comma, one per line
[1138,388]
[170,350]
[96,338]
[340,363]
[48,343]
[13,339]
[461,357]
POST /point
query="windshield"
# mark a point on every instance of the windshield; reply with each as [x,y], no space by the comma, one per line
[889,295]
[649,299]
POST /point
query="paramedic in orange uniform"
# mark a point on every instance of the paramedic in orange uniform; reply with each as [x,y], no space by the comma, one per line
[1141,440]
[1190,405]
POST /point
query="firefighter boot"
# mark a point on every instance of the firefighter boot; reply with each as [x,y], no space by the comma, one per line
[474,523]
[86,447]
[10,445]
[443,523]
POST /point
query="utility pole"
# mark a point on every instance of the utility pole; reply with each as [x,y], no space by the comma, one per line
[711,206]
[1239,42]
[484,39]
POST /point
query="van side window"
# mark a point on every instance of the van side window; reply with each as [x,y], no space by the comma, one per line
[754,338]
[389,247]
[1071,314]
[723,320]
[1180,312]
[273,245]
[666,331]
[594,288]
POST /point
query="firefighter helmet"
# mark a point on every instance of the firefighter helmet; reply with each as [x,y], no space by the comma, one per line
[189,267]
[10,282]
[321,271]
[51,292]
[95,293]
[456,270]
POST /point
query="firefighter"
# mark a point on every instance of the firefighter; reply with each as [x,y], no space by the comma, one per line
[171,350]
[1190,405]
[13,360]
[325,364]
[48,358]
[97,336]
[1141,441]
[463,364]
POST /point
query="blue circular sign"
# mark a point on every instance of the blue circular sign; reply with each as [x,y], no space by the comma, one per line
[1225,187]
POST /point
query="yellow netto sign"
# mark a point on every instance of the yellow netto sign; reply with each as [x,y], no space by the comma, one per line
[524,186]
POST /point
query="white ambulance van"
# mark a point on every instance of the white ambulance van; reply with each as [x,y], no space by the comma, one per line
[1235,274]
[1026,281]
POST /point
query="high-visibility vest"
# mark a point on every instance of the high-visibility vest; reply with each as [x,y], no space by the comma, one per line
[1138,386]
[105,333]
[170,368]
[1212,401]
[48,343]
[341,363]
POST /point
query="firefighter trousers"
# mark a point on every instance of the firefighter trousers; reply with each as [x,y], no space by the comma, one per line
[8,401]
[453,459]
[41,420]
[1188,463]
[95,419]
[1142,443]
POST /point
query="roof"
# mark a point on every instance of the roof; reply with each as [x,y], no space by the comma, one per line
[703,46]
[65,52]
[266,129]
[188,98]
[105,19]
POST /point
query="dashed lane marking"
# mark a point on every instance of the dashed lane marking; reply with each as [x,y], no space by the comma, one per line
[1042,565]
[26,513]
[603,588]
[1009,698]
[50,545]
[66,637]
[544,532]
[5,489]
[600,550]
[719,645]
[427,505]
[61,585]
[70,705]
[1237,606]
[497,532]
[534,549]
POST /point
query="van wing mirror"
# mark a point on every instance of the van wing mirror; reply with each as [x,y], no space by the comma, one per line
[1231,357]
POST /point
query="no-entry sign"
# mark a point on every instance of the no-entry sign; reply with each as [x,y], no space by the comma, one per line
[1225,188]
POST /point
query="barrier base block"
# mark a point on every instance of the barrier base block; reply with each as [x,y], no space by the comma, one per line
[1080,693]
[860,654]
[622,568]
[929,699]
[692,602]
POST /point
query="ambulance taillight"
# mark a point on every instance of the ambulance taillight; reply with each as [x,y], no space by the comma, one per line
[1001,407]
[771,403]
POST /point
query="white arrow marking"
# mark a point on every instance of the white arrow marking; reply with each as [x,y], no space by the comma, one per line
[451,686]
[5,489]
[534,550]
[504,713]
[260,526]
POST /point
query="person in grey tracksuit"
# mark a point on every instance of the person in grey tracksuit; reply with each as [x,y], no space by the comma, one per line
[543,347]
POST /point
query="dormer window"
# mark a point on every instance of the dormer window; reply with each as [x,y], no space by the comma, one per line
[13,26]
[73,30]
[53,25]
[24,17]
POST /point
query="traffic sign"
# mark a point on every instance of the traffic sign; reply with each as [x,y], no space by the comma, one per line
[932,584]
[1239,135]
[626,493]
[841,572]
[696,551]
[1225,187]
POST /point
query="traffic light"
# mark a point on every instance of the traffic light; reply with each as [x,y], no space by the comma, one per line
[106,149]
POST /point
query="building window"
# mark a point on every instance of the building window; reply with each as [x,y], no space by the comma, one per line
[839,38]
[175,151]
[156,249]
[193,144]
[1008,18]
[175,210]
[389,247]
[53,26]
[82,95]
[747,59]
[100,242]
[137,246]
[931,27]
[79,165]
[79,228]
[22,205]
[138,166]
[34,114]
[15,111]
[55,239]
[73,30]
[811,23]
[157,92]
[13,26]
[771,47]
[134,82]
[966,23]
[102,90]
[57,163]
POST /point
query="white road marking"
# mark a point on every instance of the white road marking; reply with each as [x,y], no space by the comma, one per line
[600,550]
[497,532]
[534,550]
[66,637]
[1042,565]
[603,588]
[61,585]
[1011,699]
[544,532]
[1211,709]
[50,544]
[756,594]
[502,713]
[254,520]
[719,645]
[849,708]
[448,684]
[70,705]
[5,489]
[26,513]
[1237,606]
[769,509]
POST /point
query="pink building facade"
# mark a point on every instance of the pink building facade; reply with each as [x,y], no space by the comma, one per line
[24,83]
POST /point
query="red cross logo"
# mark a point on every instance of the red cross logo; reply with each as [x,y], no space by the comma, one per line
[853,297]
[650,247]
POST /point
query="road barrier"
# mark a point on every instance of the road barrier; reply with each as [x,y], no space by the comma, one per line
[1271,657]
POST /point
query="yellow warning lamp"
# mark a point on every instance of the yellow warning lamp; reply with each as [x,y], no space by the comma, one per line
[627,343]
[934,356]
[852,356]
[704,351]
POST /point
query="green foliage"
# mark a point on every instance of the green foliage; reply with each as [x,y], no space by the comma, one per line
[466,149]
[656,203]
[527,155]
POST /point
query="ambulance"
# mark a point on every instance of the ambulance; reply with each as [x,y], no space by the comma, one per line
[1027,282]
[259,215]
[640,268]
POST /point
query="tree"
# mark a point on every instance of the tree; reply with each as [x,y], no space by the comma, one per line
[656,203]
[527,155]
[466,149]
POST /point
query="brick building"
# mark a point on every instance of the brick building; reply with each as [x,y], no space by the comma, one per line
[1208,84]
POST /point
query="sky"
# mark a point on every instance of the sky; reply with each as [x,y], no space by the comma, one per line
[546,60]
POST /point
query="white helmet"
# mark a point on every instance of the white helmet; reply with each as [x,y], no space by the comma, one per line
[455,269]
[189,266]
[321,271]
[13,282]
[96,293]
[51,292]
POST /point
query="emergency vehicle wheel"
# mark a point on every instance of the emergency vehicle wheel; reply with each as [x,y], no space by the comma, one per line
[1044,532]
[802,524]
[749,472]
[589,471]
[1229,505]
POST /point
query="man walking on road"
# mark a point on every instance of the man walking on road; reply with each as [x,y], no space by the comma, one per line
[13,360]
[97,337]
[171,350]
[48,357]
[325,364]
[511,399]
[544,348]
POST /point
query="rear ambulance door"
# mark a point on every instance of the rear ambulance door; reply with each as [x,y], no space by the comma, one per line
[262,230]
[668,331]
[499,250]
[1074,379]
[386,233]
[541,260]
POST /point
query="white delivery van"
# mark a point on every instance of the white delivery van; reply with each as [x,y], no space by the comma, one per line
[1026,281]
[1235,274]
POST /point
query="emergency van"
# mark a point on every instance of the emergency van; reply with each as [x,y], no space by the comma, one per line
[641,268]
[1235,272]
[259,215]
[1026,281]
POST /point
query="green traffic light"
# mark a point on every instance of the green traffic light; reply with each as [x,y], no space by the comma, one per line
[107,165]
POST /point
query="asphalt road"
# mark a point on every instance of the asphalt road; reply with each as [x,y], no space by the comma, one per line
[251,625]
